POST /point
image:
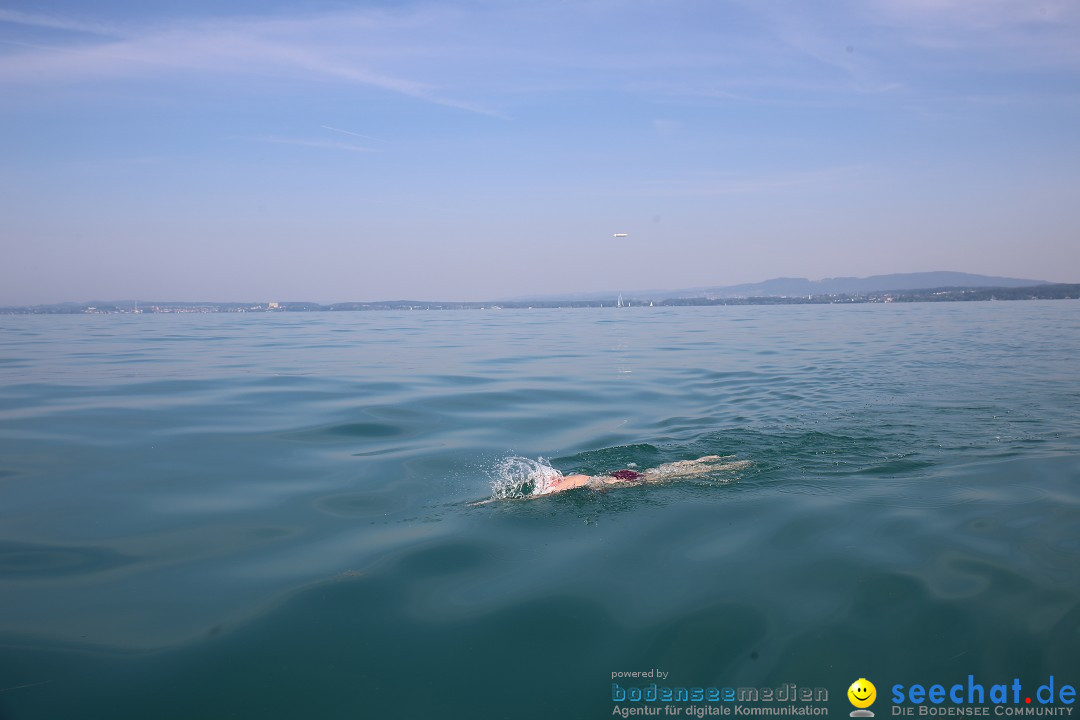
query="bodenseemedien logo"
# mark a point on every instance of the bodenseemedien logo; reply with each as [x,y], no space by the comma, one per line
[862,694]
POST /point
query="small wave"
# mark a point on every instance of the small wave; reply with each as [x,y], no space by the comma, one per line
[518,477]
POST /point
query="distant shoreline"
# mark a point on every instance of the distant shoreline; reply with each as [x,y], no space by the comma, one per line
[1057,291]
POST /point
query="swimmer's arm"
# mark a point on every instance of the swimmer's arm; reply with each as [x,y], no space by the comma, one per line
[560,484]
[568,482]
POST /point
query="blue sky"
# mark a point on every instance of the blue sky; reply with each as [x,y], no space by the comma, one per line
[452,150]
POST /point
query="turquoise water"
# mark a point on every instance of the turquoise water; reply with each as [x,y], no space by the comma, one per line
[211,516]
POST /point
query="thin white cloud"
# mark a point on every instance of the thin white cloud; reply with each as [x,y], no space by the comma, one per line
[1014,33]
[350,132]
[483,57]
[345,48]
[312,143]
[56,22]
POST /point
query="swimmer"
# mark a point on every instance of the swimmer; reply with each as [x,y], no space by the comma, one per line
[553,481]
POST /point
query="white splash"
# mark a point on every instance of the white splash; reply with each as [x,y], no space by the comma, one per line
[518,477]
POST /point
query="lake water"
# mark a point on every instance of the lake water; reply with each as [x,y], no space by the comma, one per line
[266,516]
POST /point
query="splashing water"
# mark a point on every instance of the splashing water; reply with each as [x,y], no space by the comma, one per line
[518,477]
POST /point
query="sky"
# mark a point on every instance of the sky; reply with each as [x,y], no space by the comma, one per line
[243,150]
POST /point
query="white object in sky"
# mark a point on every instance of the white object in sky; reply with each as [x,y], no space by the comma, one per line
[621,235]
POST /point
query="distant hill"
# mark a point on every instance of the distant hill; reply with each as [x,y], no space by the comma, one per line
[789,287]
[874,283]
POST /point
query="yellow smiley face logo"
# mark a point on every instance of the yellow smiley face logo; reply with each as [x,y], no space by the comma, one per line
[862,693]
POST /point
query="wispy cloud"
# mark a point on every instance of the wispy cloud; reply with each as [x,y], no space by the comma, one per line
[57,22]
[488,57]
[336,47]
[1012,33]
[312,143]
[350,132]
